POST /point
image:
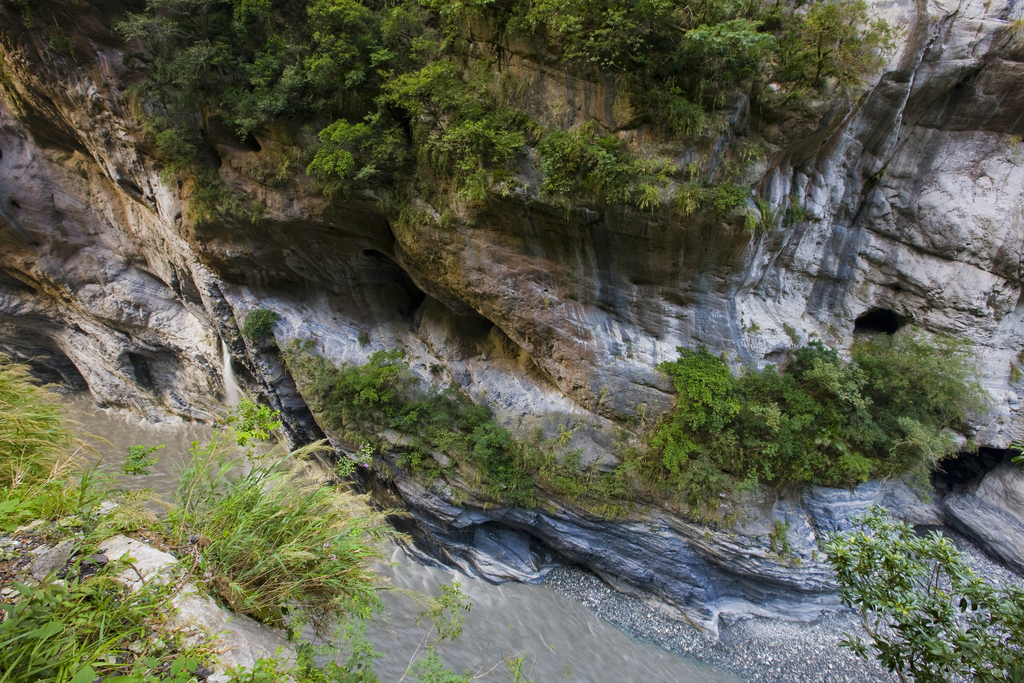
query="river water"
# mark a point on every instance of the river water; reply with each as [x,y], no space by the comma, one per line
[559,639]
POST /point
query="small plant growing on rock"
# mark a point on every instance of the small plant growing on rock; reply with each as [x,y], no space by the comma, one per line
[259,324]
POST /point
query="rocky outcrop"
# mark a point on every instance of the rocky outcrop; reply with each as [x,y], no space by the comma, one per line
[767,562]
[910,194]
[991,512]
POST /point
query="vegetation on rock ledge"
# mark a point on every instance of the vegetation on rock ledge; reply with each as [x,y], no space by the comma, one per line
[889,412]
[821,420]
[420,103]
[438,429]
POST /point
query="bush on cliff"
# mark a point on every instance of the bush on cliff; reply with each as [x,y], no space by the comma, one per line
[414,99]
[259,324]
[441,424]
[362,401]
[820,420]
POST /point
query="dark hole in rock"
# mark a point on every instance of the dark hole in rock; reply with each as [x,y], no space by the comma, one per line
[213,156]
[129,187]
[141,368]
[48,365]
[389,288]
[251,143]
[14,204]
[963,469]
[878,320]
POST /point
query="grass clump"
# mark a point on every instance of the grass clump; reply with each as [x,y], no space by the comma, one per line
[34,439]
[79,630]
[821,420]
[259,324]
[264,536]
[271,541]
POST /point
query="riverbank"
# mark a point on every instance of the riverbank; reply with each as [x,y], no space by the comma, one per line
[757,650]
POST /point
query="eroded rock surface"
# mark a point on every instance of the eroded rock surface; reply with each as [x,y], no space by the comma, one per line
[991,513]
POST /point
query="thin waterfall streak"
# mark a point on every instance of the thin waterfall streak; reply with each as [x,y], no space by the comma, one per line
[232,393]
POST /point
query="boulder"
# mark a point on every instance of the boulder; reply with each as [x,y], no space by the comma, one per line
[991,513]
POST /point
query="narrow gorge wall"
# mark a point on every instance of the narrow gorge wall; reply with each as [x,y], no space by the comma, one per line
[913,190]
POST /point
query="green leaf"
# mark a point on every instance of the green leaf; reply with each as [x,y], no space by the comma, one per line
[84,675]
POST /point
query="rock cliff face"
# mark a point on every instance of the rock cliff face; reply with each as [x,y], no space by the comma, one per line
[913,191]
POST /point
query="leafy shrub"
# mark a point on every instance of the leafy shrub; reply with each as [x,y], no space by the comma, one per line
[581,162]
[138,460]
[364,400]
[412,100]
[360,402]
[251,422]
[819,421]
[259,323]
[929,617]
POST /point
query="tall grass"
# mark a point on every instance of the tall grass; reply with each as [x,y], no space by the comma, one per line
[272,542]
[34,439]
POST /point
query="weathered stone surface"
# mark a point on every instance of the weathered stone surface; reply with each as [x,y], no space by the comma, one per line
[52,559]
[698,573]
[238,639]
[991,512]
[147,563]
[833,509]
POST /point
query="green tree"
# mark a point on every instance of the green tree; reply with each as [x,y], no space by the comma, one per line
[928,616]
[838,40]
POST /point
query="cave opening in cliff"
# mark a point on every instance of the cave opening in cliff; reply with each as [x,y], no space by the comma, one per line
[878,320]
[961,470]
[140,368]
[389,289]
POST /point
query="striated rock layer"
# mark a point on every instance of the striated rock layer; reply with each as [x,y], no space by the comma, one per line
[913,191]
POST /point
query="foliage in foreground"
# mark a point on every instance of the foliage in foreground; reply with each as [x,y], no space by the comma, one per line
[273,542]
[821,420]
[34,440]
[928,616]
[74,632]
[269,540]
[42,472]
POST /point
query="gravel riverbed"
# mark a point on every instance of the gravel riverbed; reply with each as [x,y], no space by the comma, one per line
[756,650]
